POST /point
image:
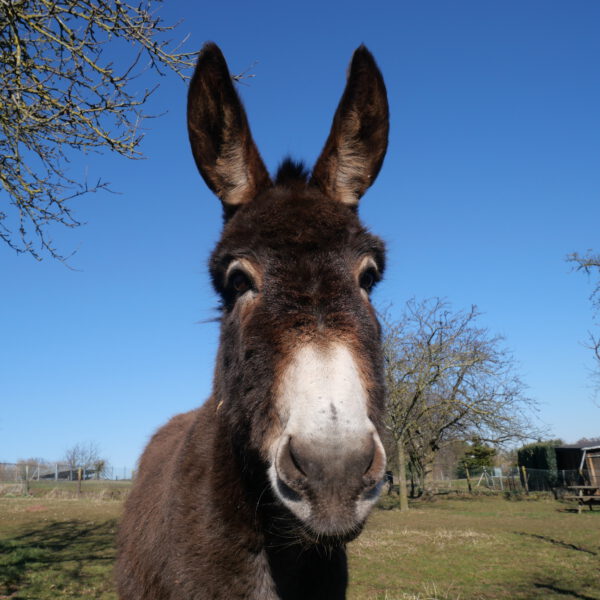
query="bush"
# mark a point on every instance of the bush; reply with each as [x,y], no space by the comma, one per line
[538,456]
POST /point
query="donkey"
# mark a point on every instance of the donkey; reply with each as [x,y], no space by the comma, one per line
[255,494]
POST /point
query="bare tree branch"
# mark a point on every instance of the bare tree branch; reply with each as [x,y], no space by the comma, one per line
[60,92]
[590,264]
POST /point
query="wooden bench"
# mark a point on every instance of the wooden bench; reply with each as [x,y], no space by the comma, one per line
[585,495]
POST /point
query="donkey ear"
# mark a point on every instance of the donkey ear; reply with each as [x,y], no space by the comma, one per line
[355,148]
[221,141]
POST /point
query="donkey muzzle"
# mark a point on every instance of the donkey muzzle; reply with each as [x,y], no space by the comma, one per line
[331,486]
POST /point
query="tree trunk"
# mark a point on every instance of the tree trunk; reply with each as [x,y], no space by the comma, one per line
[417,476]
[402,490]
[413,480]
[427,474]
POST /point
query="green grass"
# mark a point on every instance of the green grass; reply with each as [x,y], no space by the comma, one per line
[482,548]
[57,548]
[450,549]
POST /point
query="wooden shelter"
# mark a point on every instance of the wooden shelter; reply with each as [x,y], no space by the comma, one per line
[586,460]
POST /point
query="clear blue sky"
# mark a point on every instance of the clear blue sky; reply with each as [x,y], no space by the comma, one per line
[492,177]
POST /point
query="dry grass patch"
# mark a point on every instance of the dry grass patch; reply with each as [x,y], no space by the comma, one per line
[430,592]
[407,540]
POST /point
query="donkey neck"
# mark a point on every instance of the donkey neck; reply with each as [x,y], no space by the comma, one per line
[315,573]
[285,568]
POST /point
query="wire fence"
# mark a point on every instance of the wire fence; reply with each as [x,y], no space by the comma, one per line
[496,479]
[27,477]
[60,472]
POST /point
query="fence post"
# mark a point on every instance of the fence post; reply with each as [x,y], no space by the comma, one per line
[468,480]
[27,480]
[525,482]
[55,471]
[79,481]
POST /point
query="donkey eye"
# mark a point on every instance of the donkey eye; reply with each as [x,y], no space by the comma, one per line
[239,282]
[368,279]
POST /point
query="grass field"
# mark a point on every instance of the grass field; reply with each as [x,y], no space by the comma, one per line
[462,548]
[487,547]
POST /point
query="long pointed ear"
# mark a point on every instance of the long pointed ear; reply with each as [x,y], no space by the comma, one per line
[221,141]
[355,148]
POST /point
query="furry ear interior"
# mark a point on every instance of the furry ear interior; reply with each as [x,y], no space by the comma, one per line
[356,146]
[220,137]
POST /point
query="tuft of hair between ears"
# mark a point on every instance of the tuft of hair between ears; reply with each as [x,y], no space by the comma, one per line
[292,172]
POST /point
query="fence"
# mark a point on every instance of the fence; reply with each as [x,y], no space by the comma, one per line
[25,471]
[514,479]
[29,475]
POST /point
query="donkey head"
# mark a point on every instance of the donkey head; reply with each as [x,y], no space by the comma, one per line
[299,380]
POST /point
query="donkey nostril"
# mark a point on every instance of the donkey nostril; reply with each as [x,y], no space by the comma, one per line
[295,459]
[291,466]
[372,459]
[376,465]
[287,492]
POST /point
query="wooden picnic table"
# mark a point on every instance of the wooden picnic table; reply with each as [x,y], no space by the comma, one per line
[584,494]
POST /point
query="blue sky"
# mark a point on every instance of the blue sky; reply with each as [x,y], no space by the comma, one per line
[491,179]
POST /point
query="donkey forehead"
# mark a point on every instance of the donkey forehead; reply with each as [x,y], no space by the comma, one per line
[284,225]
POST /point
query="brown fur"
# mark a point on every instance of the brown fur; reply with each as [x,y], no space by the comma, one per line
[202,521]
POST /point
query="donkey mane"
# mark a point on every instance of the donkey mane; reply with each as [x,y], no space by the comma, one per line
[254,495]
[292,172]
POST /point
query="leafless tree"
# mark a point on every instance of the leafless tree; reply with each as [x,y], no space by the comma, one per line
[100,468]
[447,379]
[28,468]
[585,441]
[60,93]
[590,264]
[85,456]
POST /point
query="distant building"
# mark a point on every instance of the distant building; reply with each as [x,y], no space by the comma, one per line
[584,459]
[549,467]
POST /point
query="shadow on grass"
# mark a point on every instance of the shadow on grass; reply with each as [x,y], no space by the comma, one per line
[566,545]
[547,587]
[575,511]
[64,554]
